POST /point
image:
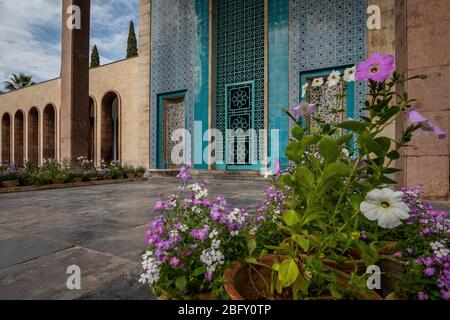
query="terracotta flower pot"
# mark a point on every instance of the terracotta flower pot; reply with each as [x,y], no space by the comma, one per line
[10,183]
[131,176]
[236,278]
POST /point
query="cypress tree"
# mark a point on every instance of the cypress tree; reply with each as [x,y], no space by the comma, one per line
[132,49]
[95,58]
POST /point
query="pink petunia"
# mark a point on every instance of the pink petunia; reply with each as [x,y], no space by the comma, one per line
[377,67]
[415,117]
[305,109]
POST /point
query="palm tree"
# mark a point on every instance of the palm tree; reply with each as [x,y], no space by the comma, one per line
[18,81]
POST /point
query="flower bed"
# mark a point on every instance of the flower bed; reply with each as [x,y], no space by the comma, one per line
[327,224]
[53,172]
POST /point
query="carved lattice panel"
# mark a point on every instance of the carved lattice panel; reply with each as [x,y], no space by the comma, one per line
[173,119]
[240,59]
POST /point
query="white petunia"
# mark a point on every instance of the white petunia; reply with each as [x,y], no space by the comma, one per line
[304,89]
[349,74]
[317,82]
[386,207]
[334,78]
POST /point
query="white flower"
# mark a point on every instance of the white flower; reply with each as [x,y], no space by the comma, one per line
[334,78]
[349,74]
[317,82]
[304,89]
[268,174]
[345,152]
[386,207]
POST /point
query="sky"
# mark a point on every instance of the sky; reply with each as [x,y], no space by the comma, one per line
[30,34]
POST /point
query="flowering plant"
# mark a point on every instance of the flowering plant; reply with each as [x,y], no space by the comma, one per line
[193,240]
[422,245]
[340,183]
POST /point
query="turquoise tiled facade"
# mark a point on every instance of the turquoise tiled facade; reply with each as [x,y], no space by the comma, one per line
[304,37]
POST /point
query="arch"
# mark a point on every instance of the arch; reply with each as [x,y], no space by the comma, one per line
[33,136]
[6,138]
[19,139]
[92,127]
[49,132]
[110,127]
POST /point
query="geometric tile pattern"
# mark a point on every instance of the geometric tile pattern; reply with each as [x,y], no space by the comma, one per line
[240,58]
[326,34]
[174,31]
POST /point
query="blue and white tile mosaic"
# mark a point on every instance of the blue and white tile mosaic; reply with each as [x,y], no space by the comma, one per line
[174,30]
[326,34]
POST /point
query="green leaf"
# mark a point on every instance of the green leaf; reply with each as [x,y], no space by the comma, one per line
[354,126]
[336,170]
[305,177]
[251,260]
[199,271]
[293,149]
[302,242]
[288,273]
[309,140]
[181,283]
[276,267]
[251,245]
[387,180]
[329,149]
[298,133]
[291,218]
[379,146]
[356,200]
[393,155]
[335,292]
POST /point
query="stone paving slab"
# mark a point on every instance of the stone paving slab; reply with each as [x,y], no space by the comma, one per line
[46,278]
[99,228]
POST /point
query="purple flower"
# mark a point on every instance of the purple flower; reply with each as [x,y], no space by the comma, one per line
[260,218]
[422,296]
[277,170]
[185,175]
[175,261]
[209,276]
[377,68]
[415,117]
[445,295]
[429,272]
[304,109]
[398,255]
[410,251]
[200,234]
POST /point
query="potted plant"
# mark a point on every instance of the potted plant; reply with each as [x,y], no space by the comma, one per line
[10,176]
[192,242]
[140,172]
[130,172]
[342,204]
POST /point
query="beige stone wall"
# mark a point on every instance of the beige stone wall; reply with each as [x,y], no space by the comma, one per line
[426,28]
[383,40]
[119,77]
[38,96]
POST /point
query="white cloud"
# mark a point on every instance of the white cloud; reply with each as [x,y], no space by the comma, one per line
[30,34]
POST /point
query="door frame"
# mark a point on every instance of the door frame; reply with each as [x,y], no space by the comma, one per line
[160,162]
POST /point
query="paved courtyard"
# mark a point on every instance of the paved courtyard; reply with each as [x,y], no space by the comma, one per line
[100,229]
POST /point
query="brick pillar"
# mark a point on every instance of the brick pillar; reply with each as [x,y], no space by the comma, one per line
[423,34]
[75,81]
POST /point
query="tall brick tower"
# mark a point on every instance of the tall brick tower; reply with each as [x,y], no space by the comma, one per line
[75,78]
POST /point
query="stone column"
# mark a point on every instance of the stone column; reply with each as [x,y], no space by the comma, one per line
[75,78]
[423,34]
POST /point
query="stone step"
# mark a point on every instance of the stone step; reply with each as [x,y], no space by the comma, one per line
[246,175]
